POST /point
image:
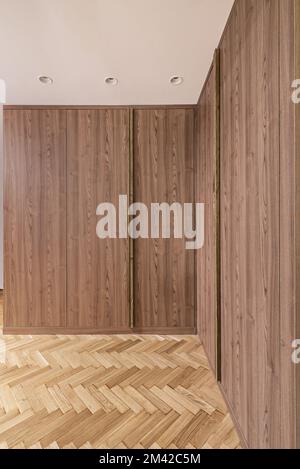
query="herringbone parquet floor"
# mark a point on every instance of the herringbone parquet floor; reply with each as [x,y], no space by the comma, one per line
[109,392]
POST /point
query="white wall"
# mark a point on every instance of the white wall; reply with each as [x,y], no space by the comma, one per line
[80,42]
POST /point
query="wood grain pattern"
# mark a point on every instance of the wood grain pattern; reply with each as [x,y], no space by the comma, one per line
[250,220]
[35,218]
[97,270]
[163,168]
[289,178]
[206,192]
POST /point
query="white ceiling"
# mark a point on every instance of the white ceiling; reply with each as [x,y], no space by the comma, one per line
[80,42]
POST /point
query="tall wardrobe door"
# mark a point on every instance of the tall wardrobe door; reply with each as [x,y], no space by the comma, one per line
[98,172]
[164,294]
[207,192]
[250,217]
[35,218]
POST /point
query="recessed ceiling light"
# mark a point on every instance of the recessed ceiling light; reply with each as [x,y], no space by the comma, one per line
[111,81]
[176,80]
[45,80]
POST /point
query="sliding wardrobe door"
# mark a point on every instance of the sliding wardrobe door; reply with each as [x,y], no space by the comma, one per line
[164,296]
[98,172]
[35,219]
[207,192]
[250,217]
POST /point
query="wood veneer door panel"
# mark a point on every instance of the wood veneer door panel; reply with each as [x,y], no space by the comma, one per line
[98,162]
[164,270]
[289,217]
[250,238]
[206,193]
[35,218]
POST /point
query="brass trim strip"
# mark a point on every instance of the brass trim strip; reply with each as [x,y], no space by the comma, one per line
[131,200]
[217,72]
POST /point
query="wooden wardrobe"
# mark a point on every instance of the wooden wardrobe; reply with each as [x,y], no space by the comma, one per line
[248,145]
[237,151]
[59,165]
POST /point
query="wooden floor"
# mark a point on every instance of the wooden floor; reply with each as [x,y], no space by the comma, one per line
[109,392]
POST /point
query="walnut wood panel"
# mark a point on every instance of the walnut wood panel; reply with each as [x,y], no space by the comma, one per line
[205,149]
[289,176]
[250,166]
[35,218]
[97,270]
[163,172]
